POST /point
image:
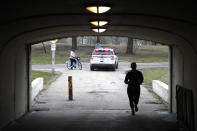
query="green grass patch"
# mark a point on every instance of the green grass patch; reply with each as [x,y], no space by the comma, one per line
[48,77]
[145,53]
[155,74]
[46,59]
[147,59]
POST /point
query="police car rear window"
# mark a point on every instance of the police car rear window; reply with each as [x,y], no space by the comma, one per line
[102,52]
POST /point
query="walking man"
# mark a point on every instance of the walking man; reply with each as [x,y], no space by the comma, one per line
[134,78]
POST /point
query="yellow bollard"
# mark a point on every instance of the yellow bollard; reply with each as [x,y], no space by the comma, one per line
[70,89]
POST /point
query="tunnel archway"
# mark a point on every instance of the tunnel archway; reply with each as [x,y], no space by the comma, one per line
[14,53]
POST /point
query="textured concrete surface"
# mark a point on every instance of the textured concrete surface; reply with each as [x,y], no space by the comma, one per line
[94,120]
[161,89]
[100,104]
[36,86]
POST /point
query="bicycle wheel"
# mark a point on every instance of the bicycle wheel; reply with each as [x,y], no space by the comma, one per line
[68,65]
[79,65]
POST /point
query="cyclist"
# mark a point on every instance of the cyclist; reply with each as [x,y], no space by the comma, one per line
[72,57]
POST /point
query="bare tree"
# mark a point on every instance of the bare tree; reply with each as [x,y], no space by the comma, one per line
[129,46]
[98,39]
[74,42]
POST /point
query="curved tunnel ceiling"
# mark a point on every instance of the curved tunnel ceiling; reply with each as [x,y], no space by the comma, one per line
[185,11]
[155,20]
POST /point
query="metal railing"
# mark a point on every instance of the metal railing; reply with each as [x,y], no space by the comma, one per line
[185,109]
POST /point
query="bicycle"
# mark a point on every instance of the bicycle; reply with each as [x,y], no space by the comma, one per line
[76,65]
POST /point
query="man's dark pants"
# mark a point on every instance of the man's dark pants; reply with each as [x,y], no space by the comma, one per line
[133,94]
[72,60]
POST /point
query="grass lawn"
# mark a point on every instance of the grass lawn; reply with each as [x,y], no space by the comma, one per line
[46,59]
[144,59]
[155,74]
[143,53]
[48,77]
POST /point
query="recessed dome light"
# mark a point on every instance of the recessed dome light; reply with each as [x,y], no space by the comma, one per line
[99,30]
[98,9]
[98,22]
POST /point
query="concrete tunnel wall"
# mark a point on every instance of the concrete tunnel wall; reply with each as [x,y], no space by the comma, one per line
[177,70]
[184,63]
[13,91]
[14,75]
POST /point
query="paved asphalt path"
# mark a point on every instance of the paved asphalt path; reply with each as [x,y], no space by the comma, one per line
[122,66]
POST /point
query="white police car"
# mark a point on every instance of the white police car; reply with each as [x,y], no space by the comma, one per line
[103,57]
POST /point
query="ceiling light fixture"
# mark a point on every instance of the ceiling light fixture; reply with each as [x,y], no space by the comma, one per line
[99,30]
[98,9]
[98,22]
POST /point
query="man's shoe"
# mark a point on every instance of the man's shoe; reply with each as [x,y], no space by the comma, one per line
[136,108]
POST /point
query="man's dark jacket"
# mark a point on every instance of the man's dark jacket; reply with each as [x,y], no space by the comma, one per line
[134,78]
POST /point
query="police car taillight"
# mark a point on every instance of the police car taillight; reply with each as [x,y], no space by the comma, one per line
[112,57]
[91,57]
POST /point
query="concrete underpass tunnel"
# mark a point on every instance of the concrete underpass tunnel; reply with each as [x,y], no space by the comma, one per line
[101,103]
[26,83]
[176,27]
[109,105]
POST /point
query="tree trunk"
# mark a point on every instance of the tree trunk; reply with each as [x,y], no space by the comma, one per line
[130,46]
[74,43]
[97,39]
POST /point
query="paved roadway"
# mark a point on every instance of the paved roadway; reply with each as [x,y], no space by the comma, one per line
[122,66]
